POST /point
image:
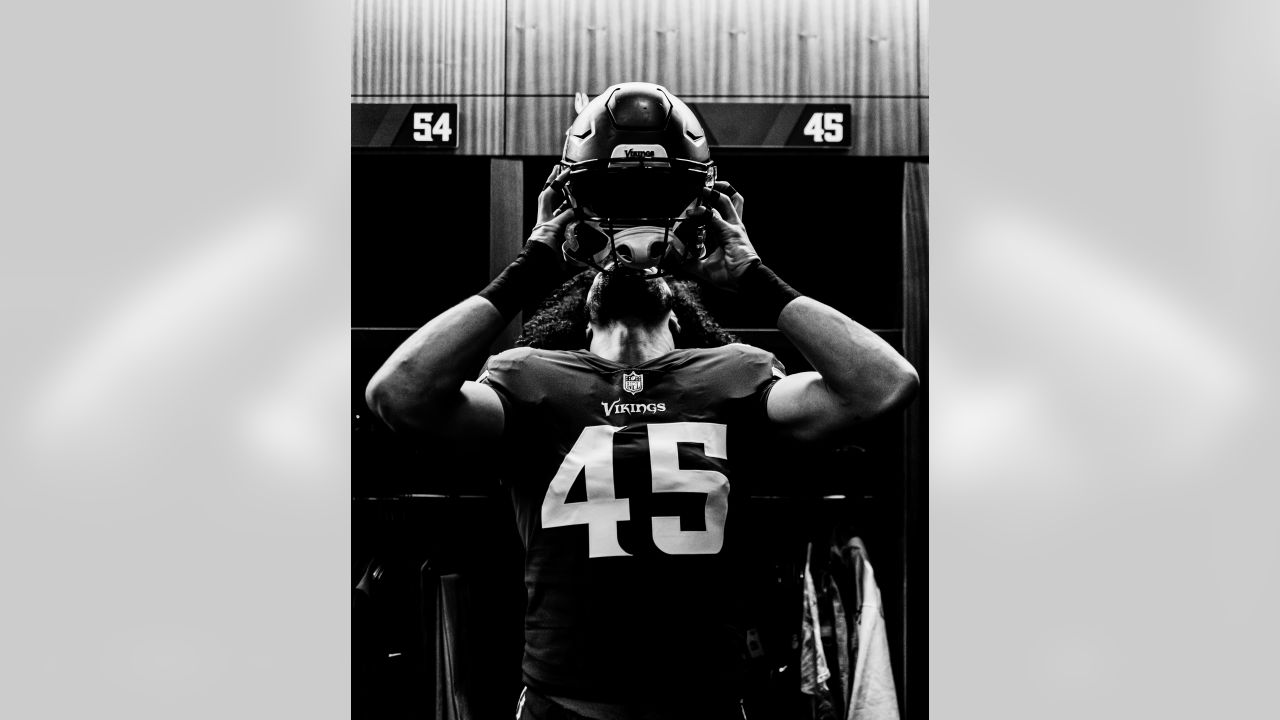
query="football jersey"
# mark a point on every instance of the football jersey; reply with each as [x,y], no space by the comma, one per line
[624,480]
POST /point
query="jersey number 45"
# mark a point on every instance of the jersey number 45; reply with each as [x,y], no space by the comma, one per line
[601,512]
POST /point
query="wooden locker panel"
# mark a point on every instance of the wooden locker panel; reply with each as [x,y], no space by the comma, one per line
[787,49]
[924,47]
[565,46]
[819,61]
[886,48]
[924,127]
[479,121]
[879,127]
[721,47]
[915,222]
[750,47]
[754,47]
[426,47]
[506,230]
[886,126]
[536,125]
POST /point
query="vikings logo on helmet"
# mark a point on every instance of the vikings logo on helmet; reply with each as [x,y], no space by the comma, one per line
[637,159]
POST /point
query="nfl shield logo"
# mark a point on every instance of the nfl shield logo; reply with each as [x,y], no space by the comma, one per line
[632,382]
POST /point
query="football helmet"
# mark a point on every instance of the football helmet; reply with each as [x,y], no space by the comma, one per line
[637,159]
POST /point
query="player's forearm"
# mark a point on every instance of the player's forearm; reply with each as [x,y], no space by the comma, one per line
[424,375]
[862,371]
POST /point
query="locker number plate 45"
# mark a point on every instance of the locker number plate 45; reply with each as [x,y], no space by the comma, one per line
[823,126]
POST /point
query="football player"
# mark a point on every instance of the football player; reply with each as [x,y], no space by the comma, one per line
[624,457]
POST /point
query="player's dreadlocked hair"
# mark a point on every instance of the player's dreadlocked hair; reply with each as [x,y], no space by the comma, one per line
[560,323]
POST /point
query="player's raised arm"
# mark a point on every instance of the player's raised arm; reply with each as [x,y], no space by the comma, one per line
[423,386]
[857,374]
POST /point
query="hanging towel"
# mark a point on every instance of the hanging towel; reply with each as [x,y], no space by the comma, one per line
[873,695]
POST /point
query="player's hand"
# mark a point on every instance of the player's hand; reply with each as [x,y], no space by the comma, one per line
[554,212]
[730,251]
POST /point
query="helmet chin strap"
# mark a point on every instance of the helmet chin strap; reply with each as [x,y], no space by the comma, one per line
[612,261]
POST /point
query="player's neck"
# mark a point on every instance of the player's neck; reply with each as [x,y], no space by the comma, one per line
[631,344]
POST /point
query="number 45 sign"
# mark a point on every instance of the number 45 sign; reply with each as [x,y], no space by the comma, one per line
[822,126]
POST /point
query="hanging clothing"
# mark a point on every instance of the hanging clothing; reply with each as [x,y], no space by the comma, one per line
[872,695]
[835,640]
[814,671]
[452,690]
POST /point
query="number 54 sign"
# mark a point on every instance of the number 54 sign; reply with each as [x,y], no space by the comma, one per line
[431,126]
[421,125]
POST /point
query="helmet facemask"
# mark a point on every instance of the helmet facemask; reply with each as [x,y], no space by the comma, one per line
[631,215]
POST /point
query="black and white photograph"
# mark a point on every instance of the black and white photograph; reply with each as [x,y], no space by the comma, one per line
[640,359]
